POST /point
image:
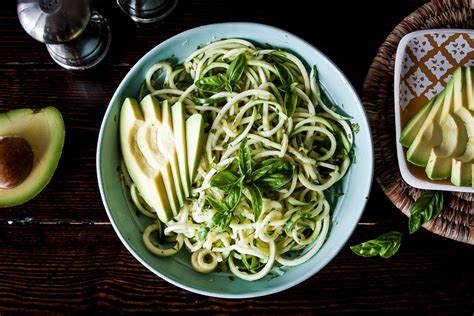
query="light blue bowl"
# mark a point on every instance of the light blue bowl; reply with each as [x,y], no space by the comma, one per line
[177,269]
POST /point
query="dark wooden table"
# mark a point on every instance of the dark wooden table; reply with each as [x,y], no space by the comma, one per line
[59,253]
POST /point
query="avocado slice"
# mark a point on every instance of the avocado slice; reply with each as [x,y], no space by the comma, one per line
[165,141]
[430,134]
[454,137]
[148,180]
[39,134]
[461,174]
[420,149]
[469,75]
[468,119]
[438,168]
[413,125]
[147,136]
[179,131]
[194,142]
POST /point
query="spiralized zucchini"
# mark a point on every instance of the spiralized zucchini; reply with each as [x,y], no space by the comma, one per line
[261,107]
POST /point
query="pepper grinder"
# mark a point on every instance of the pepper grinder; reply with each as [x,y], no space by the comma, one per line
[76,37]
[147,12]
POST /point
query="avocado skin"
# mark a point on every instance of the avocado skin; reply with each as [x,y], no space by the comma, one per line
[44,130]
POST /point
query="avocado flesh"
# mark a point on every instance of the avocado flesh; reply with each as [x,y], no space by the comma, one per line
[468,119]
[447,133]
[179,131]
[454,137]
[420,149]
[148,180]
[165,141]
[461,174]
[438,168]
[430,135]
[469,75]
[412,127]
[44,130]
[147,140]
[194,142]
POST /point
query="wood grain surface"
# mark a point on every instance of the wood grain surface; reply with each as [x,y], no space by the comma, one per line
[59,253]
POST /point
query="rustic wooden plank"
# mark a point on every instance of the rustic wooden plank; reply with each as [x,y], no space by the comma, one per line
[353,25]
[80,268]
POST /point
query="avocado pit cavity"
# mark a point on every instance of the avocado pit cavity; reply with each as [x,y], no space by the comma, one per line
[16,159]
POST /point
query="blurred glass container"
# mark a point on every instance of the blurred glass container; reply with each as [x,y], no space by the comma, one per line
[76,37]
[147,12]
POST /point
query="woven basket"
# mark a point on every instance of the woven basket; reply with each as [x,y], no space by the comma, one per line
[457,219]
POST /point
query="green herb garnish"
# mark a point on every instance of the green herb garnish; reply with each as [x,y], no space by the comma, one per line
[386,245]
[227,81]
[428,206]
[268,175]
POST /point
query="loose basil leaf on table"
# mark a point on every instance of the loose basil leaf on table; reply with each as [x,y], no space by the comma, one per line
[386,245]
[428,206]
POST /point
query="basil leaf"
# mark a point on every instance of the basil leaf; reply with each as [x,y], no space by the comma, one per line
[290,101]
[224,180]
[285,76]
[270,166]
[235,194]
[256,199]
[215,83]
[273,181]
[218,206]
[278,176]
[386,245]
[202,232]
[222,220]
[245,158]
[262,170]
[316,81]
[428,206]
[236,68]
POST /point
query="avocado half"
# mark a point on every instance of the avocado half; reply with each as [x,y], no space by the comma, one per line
[44,131]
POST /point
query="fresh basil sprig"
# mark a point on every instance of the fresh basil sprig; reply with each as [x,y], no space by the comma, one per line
[221,82]
[428,206]
[225,208]
[386,245]
[268,175]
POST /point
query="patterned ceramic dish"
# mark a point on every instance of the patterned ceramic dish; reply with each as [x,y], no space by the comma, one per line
[177,269]
[424,63]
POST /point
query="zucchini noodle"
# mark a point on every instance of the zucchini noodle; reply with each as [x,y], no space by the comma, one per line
[278,108]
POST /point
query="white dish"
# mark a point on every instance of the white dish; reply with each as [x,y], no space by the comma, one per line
[424,63]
